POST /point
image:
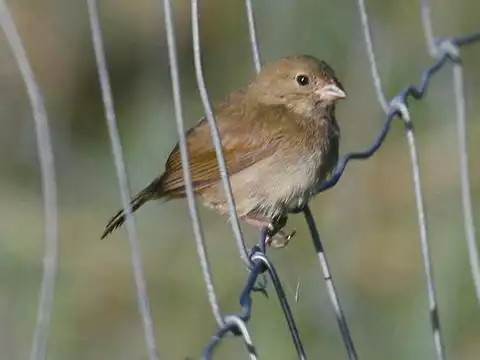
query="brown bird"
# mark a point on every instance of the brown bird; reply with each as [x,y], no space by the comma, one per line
[280,139]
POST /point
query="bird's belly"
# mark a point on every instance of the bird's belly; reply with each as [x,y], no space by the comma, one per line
[286,186]
[269,187]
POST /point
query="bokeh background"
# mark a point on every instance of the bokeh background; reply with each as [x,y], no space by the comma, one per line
[368,221]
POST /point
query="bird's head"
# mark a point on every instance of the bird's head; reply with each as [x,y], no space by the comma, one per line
[302,83]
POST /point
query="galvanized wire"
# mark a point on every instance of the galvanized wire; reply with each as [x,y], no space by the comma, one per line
[261,264]
[140,285]
[422,225]
[328,277]
[253,36]
[234,324]
[367,36]
[215,134]
[187,176]
[416,92]
[217,142]
[473,254]
[49,187]
[397,108]
[425,13]
[436,49]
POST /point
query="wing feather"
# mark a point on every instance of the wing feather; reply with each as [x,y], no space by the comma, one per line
[240,149]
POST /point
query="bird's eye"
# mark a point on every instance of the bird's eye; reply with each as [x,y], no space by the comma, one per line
[302,80]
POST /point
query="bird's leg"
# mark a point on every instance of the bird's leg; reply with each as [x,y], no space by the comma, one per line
[275,233]
[278,237]
[275,230]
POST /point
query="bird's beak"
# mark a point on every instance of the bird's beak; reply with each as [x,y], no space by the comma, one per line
[331,92]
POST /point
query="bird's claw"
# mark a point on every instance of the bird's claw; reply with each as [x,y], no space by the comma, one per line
[280,239]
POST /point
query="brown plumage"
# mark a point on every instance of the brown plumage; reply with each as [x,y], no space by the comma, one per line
[279,136]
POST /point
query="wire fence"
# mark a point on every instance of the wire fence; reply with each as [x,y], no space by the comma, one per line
[444,51]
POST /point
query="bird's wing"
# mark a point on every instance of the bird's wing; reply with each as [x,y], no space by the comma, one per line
[241,149]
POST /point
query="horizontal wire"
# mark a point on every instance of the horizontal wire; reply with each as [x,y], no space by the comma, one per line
[49,187]
[416,92]
[140,285]
[466,39]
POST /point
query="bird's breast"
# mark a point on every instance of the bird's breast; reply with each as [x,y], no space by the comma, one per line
[316,161]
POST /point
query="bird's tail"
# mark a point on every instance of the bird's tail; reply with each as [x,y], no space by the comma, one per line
[149,193]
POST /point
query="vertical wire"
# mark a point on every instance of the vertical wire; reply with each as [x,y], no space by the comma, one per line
[192,207]
[427,262]
[141,288]
[432,299]
[367,36]
[332,292]
[253,37]
[49,188]
[216,136]
[427,27]
[469,223]
[464,175]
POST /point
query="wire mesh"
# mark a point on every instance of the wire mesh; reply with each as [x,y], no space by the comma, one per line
[444,51]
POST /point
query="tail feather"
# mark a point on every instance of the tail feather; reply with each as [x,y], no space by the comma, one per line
[149,193]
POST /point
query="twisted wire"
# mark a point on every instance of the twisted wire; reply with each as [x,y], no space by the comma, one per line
[261,263]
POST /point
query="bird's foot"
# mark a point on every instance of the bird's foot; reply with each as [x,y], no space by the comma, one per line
[280,239]
[276,237]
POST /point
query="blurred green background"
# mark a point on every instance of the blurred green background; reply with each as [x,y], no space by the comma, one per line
[368,222]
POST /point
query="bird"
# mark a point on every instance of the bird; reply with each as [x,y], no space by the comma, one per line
[280,139]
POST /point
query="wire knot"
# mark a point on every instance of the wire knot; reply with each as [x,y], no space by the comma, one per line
[447,47]
[235,325]
[397,106]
